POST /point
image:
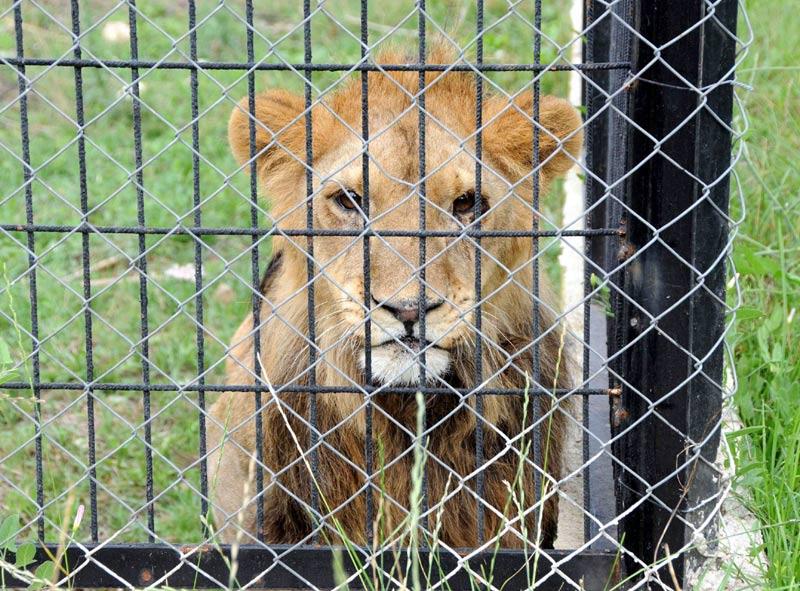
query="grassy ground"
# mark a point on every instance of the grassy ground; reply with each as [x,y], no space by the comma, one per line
[168,202]
[768,260]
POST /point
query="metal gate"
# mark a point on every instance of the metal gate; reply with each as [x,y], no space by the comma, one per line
[624,376]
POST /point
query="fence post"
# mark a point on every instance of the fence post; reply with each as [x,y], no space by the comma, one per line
[597,21]
[672,316]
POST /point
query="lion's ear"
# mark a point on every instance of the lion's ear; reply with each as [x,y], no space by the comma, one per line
[510,135]
[279,130]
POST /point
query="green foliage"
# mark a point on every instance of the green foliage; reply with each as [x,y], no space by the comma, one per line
[43,574]
[25,554]
[602,295]
[766,340]
[7,371]
[8,533]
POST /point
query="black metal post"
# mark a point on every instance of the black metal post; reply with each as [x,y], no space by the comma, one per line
[597,45]
[677,233]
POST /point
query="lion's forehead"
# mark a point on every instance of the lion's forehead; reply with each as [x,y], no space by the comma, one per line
[396,149]
[394,165]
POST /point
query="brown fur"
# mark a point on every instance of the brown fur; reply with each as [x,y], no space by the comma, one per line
[339,294]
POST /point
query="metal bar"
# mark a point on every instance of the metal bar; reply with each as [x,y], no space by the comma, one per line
[596,86]
[587,329]
[477,212]
[114,386]
[141,265]
[604,158]
[198,267]
[710,236]
[616,145]
[423,256]
[675,373]
[598,486]
[536,409]
[368,443]
[196,567]
[86,262]
[310,271]
[255,279]
[85,228]
[589,199]
[260,66]
[27,175]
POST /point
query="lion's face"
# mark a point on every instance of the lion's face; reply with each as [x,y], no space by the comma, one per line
[447,205]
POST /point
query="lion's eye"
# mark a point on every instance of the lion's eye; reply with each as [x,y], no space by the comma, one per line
[348,200]
[465,204]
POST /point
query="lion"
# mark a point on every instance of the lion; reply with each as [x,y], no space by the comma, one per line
[396,305]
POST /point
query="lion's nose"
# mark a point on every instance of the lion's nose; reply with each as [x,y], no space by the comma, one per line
[407,311]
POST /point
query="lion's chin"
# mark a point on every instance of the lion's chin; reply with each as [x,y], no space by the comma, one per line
[393,364]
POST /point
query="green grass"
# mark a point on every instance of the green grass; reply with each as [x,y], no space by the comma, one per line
[767,257]
[168,201]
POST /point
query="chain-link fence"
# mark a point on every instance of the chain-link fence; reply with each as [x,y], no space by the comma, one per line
[476,253]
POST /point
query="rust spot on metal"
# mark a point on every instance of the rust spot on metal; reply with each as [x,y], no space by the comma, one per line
[631,84]
[626,250]
[620,416]
[196,549]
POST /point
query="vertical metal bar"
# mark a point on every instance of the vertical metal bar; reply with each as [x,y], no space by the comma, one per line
[537,370]
[198,265]
[477,212]
[710,238]
[141,265]
[254,276]
[86,261]
[27,175]
[597,25]
[676,370]
[616,145]
[589,195]
[421,33]
[368,444]
[598,487]
[602,154]
[587,330]
[312,324]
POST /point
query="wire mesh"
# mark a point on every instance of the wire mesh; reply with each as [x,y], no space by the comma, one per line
[454,369]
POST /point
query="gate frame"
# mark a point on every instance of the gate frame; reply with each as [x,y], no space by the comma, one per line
[671,459]
[656,102]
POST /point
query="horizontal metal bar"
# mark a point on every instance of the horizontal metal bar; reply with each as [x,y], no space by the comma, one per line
[208,566]
[248,66]
[234,231]
[114,386]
